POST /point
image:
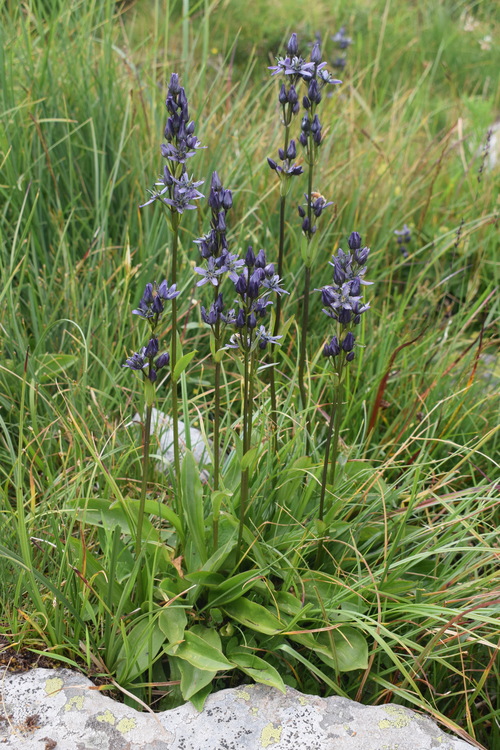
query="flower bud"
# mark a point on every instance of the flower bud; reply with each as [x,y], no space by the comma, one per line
[292,95]
[215,182]
[163,360]
[328,295]
[269,270]
[272,163]
[221,222]
[227,200]
[157,306]
[250,257]
[348,342]
[360,256]
[253,286]
[355,286]
[241,285]
[283,95]
[251,321]
[240,319]
[316,54]
[313,91]
[151,348]
[219,303]
[354,241]
[344,316]
[350,356]
[293,46]
[148,294]
[291,151]
[315,125]
[260,260]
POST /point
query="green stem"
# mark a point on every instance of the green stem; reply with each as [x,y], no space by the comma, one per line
[145,476]
[338,414]
[173,362]
[246,447]
[305,303]
[303,339]
[277,322]
[333,430]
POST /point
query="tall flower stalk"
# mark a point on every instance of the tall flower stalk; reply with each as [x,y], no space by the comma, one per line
[254,286]
[343,303]
[176,192]
[311,139]
[290,106]
[148,362]
[219,261]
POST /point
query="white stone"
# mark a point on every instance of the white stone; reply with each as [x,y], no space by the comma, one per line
[43,707]
[162,427]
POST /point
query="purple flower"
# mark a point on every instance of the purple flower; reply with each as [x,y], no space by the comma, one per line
[265,338]
[137,361]
[209,274]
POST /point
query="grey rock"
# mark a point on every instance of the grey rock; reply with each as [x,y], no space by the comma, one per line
[162,427]
[62,710]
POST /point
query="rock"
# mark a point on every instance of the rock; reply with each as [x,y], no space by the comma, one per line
[161,426]
[58,709]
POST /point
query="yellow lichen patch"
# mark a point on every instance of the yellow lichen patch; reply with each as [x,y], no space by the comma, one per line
[126,725]
[254,710]
[303,701]
[75,702]
[243,694]
[399,721]
[107,718]
[270,735]
[53,685]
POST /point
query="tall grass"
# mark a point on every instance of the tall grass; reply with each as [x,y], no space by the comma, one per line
[415,512]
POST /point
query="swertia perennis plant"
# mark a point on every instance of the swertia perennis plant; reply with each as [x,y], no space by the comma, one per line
[223,616]
[228,585]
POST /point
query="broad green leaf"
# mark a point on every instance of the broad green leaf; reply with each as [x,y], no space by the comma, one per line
[220,555]
[199,650]
[199,698]
[232,588]
[257,668]
[193,680]
[288,603]
[99,512]
[350,649]
[172,622]
[205,578]
[254,616]
[182,363]
[192,497]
